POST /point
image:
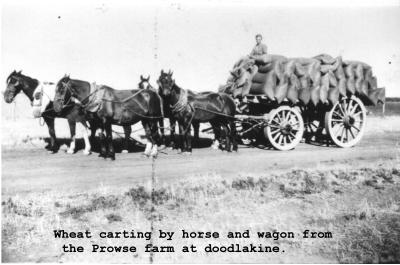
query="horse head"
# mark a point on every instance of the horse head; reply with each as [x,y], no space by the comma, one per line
[165,83]
[144,83]
[63,93]
[15,83]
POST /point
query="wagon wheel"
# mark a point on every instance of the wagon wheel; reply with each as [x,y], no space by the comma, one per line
[345,122]
[285,128]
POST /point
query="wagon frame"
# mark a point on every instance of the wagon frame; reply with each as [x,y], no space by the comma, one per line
[286,124]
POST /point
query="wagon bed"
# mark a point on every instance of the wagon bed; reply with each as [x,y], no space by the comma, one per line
[303,99]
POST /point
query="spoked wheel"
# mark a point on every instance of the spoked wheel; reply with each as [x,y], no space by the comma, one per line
[345,122]
[285,128]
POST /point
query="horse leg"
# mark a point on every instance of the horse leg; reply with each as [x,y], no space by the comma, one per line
[103,148]
[196,127]
[232,126]
[162,130]
[109,142]
[174,144]
[72,130]
[188,139]
[182,142]
[93,129]
[127,131]
[225,129]
[53,146]
[147,150]
[172,124]
[85,135]
[217,135]
[155,139]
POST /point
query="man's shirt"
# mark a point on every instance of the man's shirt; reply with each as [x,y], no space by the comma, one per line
[259,49]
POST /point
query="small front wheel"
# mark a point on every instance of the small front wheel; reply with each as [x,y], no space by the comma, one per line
[285,128]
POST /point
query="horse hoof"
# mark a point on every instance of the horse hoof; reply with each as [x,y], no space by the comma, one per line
[246,141]
[124,151]
[69,151]
[86,153]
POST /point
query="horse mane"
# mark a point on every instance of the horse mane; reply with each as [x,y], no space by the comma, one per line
[10,75]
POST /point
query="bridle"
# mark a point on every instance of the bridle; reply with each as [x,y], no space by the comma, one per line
[17,87]
[74,99]
[67,87]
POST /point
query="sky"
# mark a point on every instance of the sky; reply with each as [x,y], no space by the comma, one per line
[113,43]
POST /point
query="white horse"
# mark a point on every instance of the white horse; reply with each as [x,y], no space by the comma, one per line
[43,96]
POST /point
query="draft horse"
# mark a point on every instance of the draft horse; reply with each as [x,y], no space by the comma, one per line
[145,84]
[17,82]
[109,106]
[216,108]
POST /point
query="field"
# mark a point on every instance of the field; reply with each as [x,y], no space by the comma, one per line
[352,193]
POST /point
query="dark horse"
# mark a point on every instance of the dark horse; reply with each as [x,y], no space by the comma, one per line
[145,84]
[216,108]
[17,82]
[109,106]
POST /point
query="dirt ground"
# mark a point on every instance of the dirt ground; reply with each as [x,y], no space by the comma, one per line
[354,193]
[32,169]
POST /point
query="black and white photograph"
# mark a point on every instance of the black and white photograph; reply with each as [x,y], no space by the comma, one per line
[218,131]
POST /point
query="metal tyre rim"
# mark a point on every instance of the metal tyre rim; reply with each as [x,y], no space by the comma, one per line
[285,129]
[345,122]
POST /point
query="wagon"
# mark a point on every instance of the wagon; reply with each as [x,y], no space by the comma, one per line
[316,99]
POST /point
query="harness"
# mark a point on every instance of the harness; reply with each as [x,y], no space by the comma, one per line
[41,95]
[182,104]
[95,100]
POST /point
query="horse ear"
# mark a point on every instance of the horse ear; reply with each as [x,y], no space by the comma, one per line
[169,72]
[19,71]
[141,77]
[148,78]
[162,71]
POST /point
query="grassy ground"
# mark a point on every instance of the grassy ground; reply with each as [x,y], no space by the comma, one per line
[361,207]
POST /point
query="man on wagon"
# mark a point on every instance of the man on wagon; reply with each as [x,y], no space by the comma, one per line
[260,50]
[259,54]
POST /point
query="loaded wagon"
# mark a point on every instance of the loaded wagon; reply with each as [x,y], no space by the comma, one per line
[290,99]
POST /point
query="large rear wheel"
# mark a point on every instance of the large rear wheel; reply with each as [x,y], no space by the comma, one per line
[285,128]
[345,122]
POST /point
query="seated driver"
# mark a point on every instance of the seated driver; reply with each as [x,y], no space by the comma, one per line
[259,51]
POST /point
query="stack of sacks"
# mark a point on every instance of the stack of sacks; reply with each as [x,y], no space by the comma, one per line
[320,79]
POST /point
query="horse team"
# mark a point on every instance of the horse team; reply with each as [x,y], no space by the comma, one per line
[101,106]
